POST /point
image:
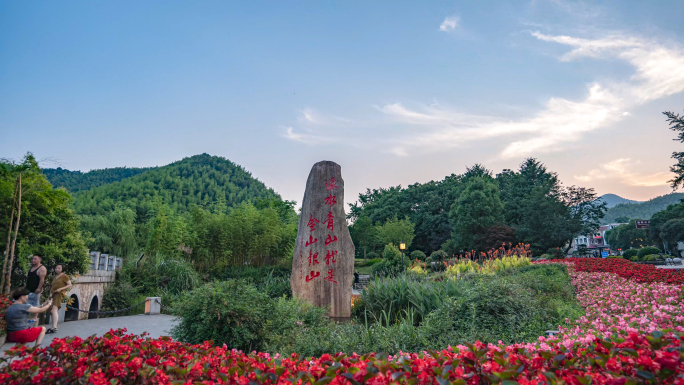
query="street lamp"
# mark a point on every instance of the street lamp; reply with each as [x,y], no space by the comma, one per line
[402,247]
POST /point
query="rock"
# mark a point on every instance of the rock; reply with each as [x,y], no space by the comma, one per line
[323,261]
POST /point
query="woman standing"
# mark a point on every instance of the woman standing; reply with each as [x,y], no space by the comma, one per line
[60,284]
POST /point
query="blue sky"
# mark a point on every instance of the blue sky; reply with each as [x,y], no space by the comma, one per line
[396,92]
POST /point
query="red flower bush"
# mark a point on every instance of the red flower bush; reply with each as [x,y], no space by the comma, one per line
[5,302]
[118,358]
[626,269]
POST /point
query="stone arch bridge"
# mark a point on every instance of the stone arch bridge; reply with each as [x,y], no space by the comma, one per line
[87,290]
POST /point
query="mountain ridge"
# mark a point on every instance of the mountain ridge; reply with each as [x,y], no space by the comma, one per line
[202,180]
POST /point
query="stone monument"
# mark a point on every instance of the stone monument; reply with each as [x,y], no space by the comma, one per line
[323,262]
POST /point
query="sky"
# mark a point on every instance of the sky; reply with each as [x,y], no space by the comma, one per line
[396,92]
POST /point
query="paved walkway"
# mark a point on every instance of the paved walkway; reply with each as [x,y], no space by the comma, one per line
[155,325]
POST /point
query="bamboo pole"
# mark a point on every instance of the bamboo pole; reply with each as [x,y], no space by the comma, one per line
[8,274]
[9,237]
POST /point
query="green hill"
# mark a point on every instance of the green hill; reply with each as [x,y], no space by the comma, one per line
[641,210]
[201,180]
[75,181]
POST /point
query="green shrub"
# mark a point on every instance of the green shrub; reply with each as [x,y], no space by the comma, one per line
[119,296]
[373,255]
[648,250]
[438,256]
[615,256]
[373,261]
[233,312]
[629,254]
[419,255]
[546,256]
[647,258]
[391,264]
[290,318]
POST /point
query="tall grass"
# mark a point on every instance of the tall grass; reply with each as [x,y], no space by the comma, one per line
[488,267]
[391,299]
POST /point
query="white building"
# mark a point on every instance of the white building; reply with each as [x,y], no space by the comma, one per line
[595,242]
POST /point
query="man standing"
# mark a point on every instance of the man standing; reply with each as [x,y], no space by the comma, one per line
[34,283]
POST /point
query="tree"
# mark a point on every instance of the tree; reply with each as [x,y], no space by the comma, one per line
[113,233]
[622,219]
[672,232]
[495,236]
[534,206]
[395,231]
[659,219]
[585,211]
[477,209]
[40,222]
[627,236]
[364,234]
[676,124]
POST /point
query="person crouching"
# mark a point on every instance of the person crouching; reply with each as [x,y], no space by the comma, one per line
[17,317]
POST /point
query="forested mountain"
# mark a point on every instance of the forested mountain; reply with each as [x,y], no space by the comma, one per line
[641,210]
[202,180]
[75,181]
[613,200]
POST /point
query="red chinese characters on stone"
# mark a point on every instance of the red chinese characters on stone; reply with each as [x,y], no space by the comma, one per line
[330,200]
[311,240]
[313,275]
[330,277]
[330,257]
[312,223]
[331,184]
[329,221]
[330,239]
[313,258]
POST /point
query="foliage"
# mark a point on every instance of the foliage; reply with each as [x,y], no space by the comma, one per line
[417,270]
[388,300]
[627,236]
[231,312]
[648,250]
[623,212]
[364,235]
[630,253]
[48,227]
[119,295]
[418,255]
[477,209]
[672,231]
[112,233]
[201,180]
[75,181]
[291,316]
[394,231]
[391,264]
[160,275]
[490,266]
[659,219]
[438,256]
[676,124]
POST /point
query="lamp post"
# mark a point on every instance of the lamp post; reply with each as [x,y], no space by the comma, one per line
[402,247]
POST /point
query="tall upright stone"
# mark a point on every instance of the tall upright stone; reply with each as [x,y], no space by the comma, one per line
[323,262]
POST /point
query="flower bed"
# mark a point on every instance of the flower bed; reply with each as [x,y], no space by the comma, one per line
[618,341]
[120,358]
[627,269]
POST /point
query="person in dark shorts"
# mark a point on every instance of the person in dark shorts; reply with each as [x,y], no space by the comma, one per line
[18,329]
[34,283]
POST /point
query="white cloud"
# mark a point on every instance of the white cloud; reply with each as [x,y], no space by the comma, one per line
[658,74]
[621,169]
[304,138]
[561,122]
[450,23]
